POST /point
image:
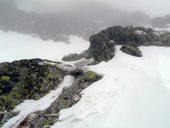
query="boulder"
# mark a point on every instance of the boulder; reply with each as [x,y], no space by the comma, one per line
[72,57]
[101,48]
[131,50]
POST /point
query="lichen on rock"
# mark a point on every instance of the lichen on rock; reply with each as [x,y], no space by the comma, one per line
[102,44]
[69,97]
[26,79]
[33,79]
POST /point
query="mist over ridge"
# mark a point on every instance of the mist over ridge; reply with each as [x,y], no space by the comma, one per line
[83,19]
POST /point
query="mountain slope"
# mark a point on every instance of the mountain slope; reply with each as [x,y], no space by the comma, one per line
[133,93]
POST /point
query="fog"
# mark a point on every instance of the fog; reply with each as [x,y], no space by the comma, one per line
[152,7]
[58,19]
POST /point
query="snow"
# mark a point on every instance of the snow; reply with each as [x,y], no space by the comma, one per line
[30,106]
[139,32]
[134,93]
[15,46]
[166,29]
[164,71]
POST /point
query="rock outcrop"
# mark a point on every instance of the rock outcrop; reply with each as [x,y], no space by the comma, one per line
[33,79]
[102,44]
[72,57]
[68,98]
[26,79]
[131,50]
[101,47]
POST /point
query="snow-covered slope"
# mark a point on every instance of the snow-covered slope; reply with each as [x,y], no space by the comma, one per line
[134,93]
[15,46]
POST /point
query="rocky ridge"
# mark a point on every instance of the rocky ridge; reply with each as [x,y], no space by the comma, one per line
[102,44]
[33,79]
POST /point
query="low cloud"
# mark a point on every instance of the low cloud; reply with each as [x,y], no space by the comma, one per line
[151,7]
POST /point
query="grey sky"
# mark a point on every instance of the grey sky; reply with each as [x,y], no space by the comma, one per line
[151,7]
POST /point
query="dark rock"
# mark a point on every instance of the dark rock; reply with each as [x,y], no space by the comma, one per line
[72,57]
[1,115]
[5,116]
[131,50]
[69,97]
[102,44]
[27,79]
[32,79]
[122,35]
[101,47]
[76,71]
[26,122]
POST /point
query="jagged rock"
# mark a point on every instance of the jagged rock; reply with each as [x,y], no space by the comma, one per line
[68,98]
[26,122]
[101,48]
[34,78]
[1,115]
[5,116]
[76,71]
[131,50]
[72,57]
[26,79]
[102,44]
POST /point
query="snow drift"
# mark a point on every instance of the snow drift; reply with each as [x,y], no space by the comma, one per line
[15,46]
[134,93]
